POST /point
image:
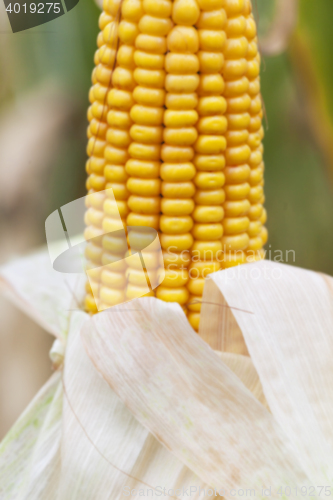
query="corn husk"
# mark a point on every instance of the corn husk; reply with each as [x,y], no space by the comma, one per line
[142,402]
[45,295]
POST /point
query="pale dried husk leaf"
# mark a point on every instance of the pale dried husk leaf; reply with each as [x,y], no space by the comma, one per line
[179,389]
[44,294]
[286,317]
[113,450]
[30,453]
[104,448]
[243,367]
[219,328]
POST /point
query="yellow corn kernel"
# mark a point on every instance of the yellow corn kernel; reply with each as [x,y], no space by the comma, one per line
[235,26]
[163,8]
[176,225]
[212,105]
[93,253]
[111,296]
[208,214]
[256,194]
[145,115]
[210,62]
[237,208]
[211,85]
[209,197]
[196,286]
[90,304]
[182,83]
[194,320]
[206,250]
[96,165]
[176,242]
[176,63]
[232,258]
[255,228]
[180,137]
[237,137]
[179,118]
[212,40]
[183,40]
[176,154]
[210,144]
[177,207]
[120,99]
[151,78]
[178,189]
[185,12]
[237,191]
[237,155]
[151,97]
[213,125]
[149,152]
[144,187]
[174,259]
[207,232]
[97,182]
[209,180]
[180,294]
[209,162]
[146,134]
[152,25]
[151,43]
[181,172]
[264,235]
[175,278]
[237,175]
[144,169]
[118,138]
[140,204]
[255,244]
[212,20]
[181,101]
[194,303]
[236,88]
[94,217]
[263,217]
[115,173]
[115,156]
[146,220]
[235,242]
[235,225]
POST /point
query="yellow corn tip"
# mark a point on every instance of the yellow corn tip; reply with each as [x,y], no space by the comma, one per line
[175,129]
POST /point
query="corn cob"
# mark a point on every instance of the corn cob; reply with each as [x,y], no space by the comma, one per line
[175,130]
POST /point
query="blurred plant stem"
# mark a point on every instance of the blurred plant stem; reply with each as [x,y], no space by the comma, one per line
[314,96]
[311,58]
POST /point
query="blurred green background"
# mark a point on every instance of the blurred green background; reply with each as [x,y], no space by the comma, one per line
[44,83]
